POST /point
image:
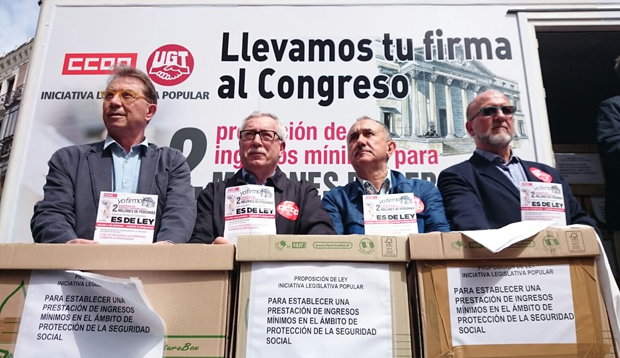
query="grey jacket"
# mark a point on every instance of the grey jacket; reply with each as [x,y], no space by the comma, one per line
[78,174]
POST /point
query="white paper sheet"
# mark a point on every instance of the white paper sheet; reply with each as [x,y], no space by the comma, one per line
[77,314]
[498,239]
[326,310]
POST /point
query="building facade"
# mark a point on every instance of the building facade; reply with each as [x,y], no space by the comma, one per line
[13,72]
[433,114]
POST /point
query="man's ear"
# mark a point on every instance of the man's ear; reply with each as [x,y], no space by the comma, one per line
[469,126]
[282,147]
[150,111]
[391,148]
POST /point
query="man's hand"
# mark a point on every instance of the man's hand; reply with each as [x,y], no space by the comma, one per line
[221,241]
[82,241]
[163,243]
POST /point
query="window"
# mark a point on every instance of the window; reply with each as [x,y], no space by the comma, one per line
[387,120]
[9,87]
[7,126]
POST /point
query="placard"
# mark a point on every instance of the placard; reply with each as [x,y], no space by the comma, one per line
[580,168]
[125,218]
[249,209]
[543,202]
[511,305]
[327,310]
[391,214]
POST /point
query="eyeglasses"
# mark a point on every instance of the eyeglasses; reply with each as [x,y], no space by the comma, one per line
[507,111]
[126,96]
[265,135]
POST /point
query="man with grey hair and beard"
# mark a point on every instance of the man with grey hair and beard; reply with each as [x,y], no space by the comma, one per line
[262,140]
[483,192]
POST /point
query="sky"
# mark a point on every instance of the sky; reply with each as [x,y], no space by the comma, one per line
[18,22]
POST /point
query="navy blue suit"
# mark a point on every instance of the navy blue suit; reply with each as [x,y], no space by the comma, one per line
[477,196]
[77,176]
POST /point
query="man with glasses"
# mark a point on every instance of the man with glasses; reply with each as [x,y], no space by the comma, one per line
[262,140]
[124,162]
[483,192]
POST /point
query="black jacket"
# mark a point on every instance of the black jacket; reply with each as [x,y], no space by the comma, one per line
[312,218]
[608,128]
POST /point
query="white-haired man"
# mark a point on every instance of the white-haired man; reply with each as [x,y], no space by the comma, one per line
[262,140]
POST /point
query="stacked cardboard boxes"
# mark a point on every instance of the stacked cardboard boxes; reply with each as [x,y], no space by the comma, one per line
[537,298]
[323,296]
[188,286]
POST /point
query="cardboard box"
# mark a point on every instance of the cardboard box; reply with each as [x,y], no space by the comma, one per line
[188,286]
[325,302]
[537,298]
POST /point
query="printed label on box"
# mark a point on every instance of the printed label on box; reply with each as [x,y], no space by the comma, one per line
[319,309]
[511,305]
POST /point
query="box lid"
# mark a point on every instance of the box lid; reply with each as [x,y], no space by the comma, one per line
[180,257]
[552,242]
[322,248]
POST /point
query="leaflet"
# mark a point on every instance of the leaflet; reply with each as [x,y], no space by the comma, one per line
[80,314]
[125,218]
[393,214]
[249,209]
[543,201]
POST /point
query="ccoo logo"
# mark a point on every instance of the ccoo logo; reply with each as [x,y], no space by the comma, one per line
[544,177]
[170,65]
[288,209]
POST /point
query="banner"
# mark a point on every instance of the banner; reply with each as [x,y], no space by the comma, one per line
[318,68]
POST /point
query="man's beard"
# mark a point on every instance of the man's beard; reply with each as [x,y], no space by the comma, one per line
[497,140]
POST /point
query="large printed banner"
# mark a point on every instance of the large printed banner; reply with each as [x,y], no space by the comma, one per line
[318,68]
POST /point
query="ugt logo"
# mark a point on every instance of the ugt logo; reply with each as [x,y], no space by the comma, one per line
[170,65]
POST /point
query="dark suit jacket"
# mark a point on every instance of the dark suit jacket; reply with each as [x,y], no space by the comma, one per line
[608,129]
[477,196]
[79,173]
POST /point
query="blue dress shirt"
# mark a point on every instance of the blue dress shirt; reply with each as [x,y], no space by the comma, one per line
[126,166]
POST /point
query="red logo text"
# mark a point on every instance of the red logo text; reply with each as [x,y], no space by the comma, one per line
[170,65]
[288,209]
[544,177]
[96,63]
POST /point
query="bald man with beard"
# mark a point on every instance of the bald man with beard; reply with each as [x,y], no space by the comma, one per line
[483,192]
